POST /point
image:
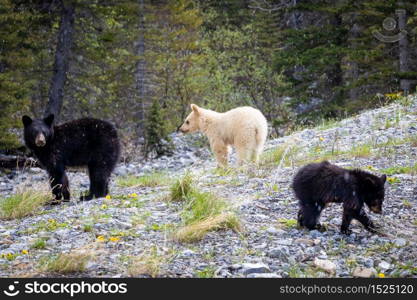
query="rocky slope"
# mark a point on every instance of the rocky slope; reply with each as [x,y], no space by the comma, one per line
[115,231]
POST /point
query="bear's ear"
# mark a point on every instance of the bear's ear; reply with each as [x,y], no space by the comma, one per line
[26,121]
[383,178]
[49,120]
[195,108]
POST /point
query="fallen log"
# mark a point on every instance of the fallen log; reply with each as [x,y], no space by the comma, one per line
[17,162]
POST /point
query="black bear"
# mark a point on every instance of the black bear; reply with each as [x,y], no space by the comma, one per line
[317,184]
[85,142]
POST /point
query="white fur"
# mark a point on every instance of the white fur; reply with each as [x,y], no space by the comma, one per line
[244,128]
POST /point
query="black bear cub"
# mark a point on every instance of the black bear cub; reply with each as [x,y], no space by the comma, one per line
[318,184]
[86,142]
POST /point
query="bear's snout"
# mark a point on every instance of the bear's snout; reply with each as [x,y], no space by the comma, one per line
[181,129]
[40,140]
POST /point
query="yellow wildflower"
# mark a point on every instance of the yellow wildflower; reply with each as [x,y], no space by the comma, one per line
[24,251]
[108,197]
[321,138]
[392,180]
[133,195]
[101,238]
[104,206]
[381,275]
[114,239]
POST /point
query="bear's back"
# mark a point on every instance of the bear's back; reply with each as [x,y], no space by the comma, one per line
[244,117]
[317,178]
[81,139]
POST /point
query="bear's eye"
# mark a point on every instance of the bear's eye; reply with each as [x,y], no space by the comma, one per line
[187,122]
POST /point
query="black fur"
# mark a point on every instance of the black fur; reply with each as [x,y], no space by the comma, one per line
[318,184]
[86,142]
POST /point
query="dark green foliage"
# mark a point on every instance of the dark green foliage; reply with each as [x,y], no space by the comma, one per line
[156,132]
[16,56]
[332,55]
[307,60]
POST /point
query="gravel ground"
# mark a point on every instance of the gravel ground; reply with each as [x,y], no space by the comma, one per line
[269,246]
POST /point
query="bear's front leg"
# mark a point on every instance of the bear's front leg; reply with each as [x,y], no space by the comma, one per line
[362,217]
[65,187]
[347,218]
[221,152]
[59,183]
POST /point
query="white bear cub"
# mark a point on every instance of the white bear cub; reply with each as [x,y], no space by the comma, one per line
[245,128]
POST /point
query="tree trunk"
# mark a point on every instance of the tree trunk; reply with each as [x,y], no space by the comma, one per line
[140,72]
[62,54]
[403,50]
[352,72]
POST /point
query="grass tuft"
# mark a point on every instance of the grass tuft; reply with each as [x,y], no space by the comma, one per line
[197,230]
[66,263]
[207,272]
[39,243]
[288,223]
[200,206]
[202,213]
[149,263]
[22,204]
[182,188]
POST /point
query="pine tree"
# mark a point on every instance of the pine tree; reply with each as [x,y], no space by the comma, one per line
[156,132]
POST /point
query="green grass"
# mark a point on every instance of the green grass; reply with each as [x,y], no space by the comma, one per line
[412,140]
[207,272]
[410,267]
[23,204]
[318,154]
[224,181]
[400,170]
[288,223]
[327,124]
[364,150]
[9,256]
[39,243]
[196,231]
[393,180]
[181,188]
[149,263]
[200,206]
[148,180]
[66,263]
[281,155]
[294,271]
[49,225]
[380,249]
[227,171]
[406,203]
[88,227]
[204,212]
